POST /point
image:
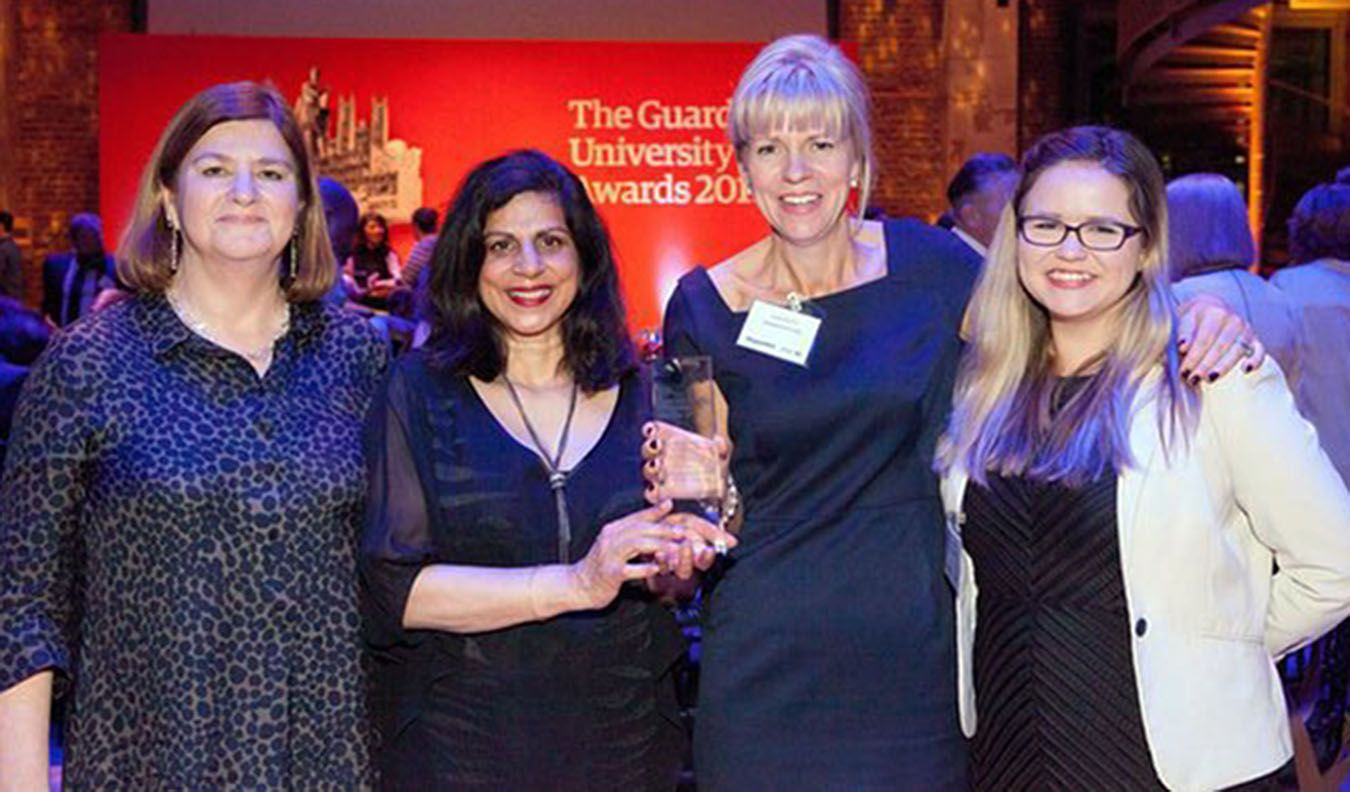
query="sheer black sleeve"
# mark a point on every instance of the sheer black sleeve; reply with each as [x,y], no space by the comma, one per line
[397,541]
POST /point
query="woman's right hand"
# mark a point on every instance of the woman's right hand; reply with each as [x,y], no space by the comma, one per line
[626,549]
[679,464]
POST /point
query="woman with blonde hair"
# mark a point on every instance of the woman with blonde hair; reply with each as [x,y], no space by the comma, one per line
[184,491]
[828,658]
[1120,528]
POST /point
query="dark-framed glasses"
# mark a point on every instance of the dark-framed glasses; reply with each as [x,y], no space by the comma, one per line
[1102,236]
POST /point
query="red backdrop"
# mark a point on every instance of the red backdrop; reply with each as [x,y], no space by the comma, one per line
[464,101]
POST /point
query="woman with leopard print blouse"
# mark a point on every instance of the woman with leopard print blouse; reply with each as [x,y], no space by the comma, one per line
[179,514]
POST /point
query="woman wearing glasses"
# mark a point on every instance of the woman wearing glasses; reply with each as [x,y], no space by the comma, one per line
[1119,527]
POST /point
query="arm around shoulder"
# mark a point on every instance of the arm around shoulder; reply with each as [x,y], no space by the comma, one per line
[1296,501]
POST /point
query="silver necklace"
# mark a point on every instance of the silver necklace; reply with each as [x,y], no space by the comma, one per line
[557,477]
[199,326]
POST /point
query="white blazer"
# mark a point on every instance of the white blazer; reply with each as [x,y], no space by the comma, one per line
[1198,534]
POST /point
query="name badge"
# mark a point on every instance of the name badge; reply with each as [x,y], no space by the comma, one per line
[778,332]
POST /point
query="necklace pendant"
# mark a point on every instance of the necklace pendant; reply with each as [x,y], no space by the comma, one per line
[794,302]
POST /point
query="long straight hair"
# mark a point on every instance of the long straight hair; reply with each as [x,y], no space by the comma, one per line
[1005,417]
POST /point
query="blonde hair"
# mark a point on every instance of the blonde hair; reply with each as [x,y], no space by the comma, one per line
[804,81]
[1004,416]
[145,255]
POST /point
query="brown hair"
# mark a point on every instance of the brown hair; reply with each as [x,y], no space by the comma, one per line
[144,260]
[1320,225]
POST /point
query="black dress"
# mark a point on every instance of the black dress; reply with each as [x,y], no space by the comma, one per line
[1054,678]
[581,701]
[1054,674]
[178,541]
[828,647]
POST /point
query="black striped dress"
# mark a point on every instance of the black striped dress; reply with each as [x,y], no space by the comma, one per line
[1054,680]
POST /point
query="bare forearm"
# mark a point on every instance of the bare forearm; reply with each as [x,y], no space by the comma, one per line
[469,599]
[25,713]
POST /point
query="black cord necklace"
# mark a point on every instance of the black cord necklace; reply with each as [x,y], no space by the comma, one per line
[557,477]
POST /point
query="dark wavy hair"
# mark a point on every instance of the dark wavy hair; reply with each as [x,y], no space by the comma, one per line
[1320,225]
[465,337]
[363,241]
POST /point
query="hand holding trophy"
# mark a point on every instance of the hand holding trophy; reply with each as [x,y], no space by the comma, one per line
[685,459]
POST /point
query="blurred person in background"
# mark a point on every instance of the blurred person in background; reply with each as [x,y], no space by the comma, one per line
[1318,288]
[1211,250]
[424,229]
[372,270]
[11,259]
[977,194]
[72,281]
[341,215]
[23,336]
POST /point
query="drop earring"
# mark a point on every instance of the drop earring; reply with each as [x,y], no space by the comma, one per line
[291,268]
[176,245]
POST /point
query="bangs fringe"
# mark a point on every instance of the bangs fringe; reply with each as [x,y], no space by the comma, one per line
[794,99]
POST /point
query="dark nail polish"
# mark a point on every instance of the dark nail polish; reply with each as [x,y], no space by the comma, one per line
[1213,375]
[1185,374]
[1195,380]
[1249,368]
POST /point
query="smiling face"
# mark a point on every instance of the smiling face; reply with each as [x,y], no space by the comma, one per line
[1073,284]
[800,178]
[531,270]
[236,195]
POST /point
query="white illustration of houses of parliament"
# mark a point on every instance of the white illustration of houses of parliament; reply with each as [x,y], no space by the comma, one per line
[383,175]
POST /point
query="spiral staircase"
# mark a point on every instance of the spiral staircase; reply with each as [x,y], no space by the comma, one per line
[1194,71]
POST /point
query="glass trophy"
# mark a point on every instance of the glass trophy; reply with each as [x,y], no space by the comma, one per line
[683,396]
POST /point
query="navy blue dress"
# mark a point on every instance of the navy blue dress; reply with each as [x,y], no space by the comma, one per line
[829,649]
[582,701]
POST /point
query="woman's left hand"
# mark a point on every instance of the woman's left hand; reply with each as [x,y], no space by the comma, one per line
[1213,339]
[677,579]
[697,551]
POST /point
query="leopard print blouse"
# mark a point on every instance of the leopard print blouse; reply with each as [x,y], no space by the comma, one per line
[177,540]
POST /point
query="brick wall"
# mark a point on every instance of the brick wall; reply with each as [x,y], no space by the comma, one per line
[899,49]
[52,81]
[1045,64]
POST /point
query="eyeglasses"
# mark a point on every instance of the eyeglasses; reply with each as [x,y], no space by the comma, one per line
[1102,236]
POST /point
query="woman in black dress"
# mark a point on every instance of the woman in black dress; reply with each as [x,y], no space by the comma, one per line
[1120,527]
[506,514]
[182,499]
